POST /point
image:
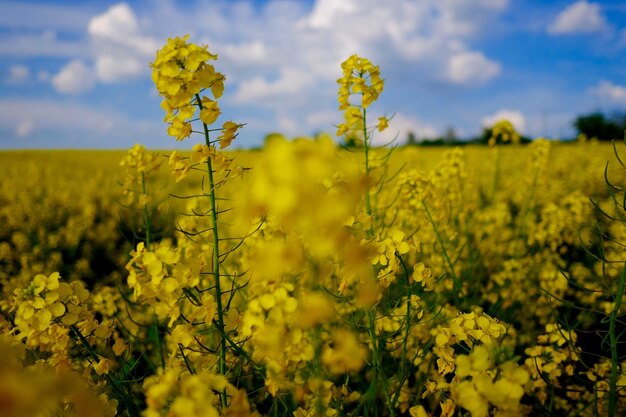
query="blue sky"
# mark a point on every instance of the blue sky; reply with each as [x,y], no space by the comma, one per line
[76,75]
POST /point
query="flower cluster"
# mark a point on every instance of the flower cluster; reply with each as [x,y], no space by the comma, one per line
[322,282]
[503,132]
[181,73]
[362,78]
[480,386]
[139,165]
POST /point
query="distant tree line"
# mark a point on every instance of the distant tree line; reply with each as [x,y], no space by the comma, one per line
[593,125]
[597,125]
[450,138]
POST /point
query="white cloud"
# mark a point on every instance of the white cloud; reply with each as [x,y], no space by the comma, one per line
[253,52]
[495,4]
[29,29]
[35,16]
[326,11]
[122,50]
[74,78]
[43,76]
[54,115]
[258,89]
[41,45]
[285,57]
[288,125]
[610,92]
[471,68]
[323,120]
[279,34]
[49,36]
[516,118]
[119,25]
[579,17]
[18,74]
[25,128]
[73,125]
[111,68]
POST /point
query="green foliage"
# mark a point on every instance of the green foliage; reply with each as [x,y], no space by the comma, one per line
[597,125]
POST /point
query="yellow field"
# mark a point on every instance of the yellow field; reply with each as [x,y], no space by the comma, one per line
[469,281]
[308,279]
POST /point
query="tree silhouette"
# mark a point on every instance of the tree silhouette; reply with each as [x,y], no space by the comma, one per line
[597,125]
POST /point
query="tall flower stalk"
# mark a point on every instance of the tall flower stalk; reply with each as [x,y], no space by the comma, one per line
[182,74]
[216,250]
[140,166]
[362,78]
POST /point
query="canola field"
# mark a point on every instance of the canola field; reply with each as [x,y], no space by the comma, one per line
[311,279]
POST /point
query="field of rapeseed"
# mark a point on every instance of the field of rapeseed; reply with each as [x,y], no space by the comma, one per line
[309,279]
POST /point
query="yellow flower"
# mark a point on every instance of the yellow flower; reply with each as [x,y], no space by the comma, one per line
[447,408]
[424,276]
[119,347]
[315,309]
[179,129]
[383,123]
[472,400]
[503,131]
[346,353]
[418,411]
[180,71]
[179,167]
[210,111]
[229,131]
[182,334]
[103,366]
[362,78]
[477,361]
[201,153]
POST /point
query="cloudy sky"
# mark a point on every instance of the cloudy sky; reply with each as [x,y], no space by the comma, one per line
[76,75]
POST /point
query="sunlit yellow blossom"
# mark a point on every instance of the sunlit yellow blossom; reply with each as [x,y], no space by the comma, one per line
[179,129]
[229,131]
[345,355]
[424,276]
[447,408]
[383,123]
[503,131]
[418,411]
[359,77]
[316,309]
[201,153]
[210,111]
[179,167]
[180,71]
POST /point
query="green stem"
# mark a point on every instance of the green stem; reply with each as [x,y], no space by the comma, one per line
[146,215]
[496,175]
[371,313]
[614,343]
[131,407]
[403,375]
[366,148]
[528,206]
[379,374]
[320,407]
[455,279]
[216,261]
[157,338]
